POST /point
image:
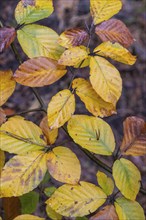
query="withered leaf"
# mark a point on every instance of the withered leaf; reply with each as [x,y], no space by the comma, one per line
[115,31]
[108,212]
[72,37]
[134,141]
[7,36]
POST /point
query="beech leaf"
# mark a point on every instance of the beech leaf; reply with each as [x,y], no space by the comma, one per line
[38,72]
[2,160]
[77,200]
[28,217]
[106,213]
[134,141]
[92,133]
[7,36]
[115,31]
[52,214]
[2,116]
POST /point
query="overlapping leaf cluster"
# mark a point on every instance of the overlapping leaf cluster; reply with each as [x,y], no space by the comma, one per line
[50,56]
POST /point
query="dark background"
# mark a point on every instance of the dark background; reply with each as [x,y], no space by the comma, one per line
[73,13]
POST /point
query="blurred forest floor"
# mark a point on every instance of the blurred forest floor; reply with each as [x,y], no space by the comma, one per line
[74,13]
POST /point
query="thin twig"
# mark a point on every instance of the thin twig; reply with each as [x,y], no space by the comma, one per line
[27,111]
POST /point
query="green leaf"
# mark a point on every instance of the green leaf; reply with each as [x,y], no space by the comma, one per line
[92,133]
[77,200]
[127,178]
[129,210]
[29,202]
[37,40]
[105,182]
[30,11]
[49,190]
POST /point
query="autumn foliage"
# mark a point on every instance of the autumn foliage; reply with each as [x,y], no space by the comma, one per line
[50,57]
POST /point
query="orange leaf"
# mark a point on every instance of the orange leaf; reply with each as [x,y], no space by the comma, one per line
[7,36]
[115,31]
[106,213]
[38,72]
[134,141]
[12,207]
[72,37]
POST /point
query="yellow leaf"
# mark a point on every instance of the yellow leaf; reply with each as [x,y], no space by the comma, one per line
[93,102]
[64,165]
[37,40]
[19,136]
[52,214]
[92,133]
[134,141]
[106,213]
[2,160]
[28,217]
[60,108]
[2,116]
[72,37]
[38,72]
[22,174]
[33,10]
[77,200]
[116,52]
[127,178]
[7,85]
[51,135]
[102,10]
[127,209]
[105,182]
[105,79]
[73,56]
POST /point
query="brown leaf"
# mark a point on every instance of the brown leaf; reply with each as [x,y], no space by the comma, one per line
[12,207]
[72,37]
[38,72]
[134,141]
[28,2]
[7,36]
[107,213]
[115,31]
[2,116]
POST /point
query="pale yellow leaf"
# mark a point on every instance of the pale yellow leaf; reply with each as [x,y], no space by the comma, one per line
[33,10]
[38,72]
[127,209]
[22,174]
[60,108]
[20,136]
[105,182]
[92,133]
[127,178]
[52,214]
[28,217]
[106,213]
[73,56]
[64,165]
[102,10]
[116,52]
[2,160]
[105,80]
[37,40]
[93,102]
[7,85]
[51,135]
[77,200]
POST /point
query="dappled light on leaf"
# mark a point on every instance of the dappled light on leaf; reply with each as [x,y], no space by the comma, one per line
[63,165]
[127,178]
[134,141]
[92,133]
[60,108]
[7,85]
[38,72]
[77,200]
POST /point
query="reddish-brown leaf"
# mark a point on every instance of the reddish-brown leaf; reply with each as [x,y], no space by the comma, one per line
[115,31]
[134,141]
[107,213]
[72,37]
[12,207]
[7,36]
[38,72]
[2,116]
